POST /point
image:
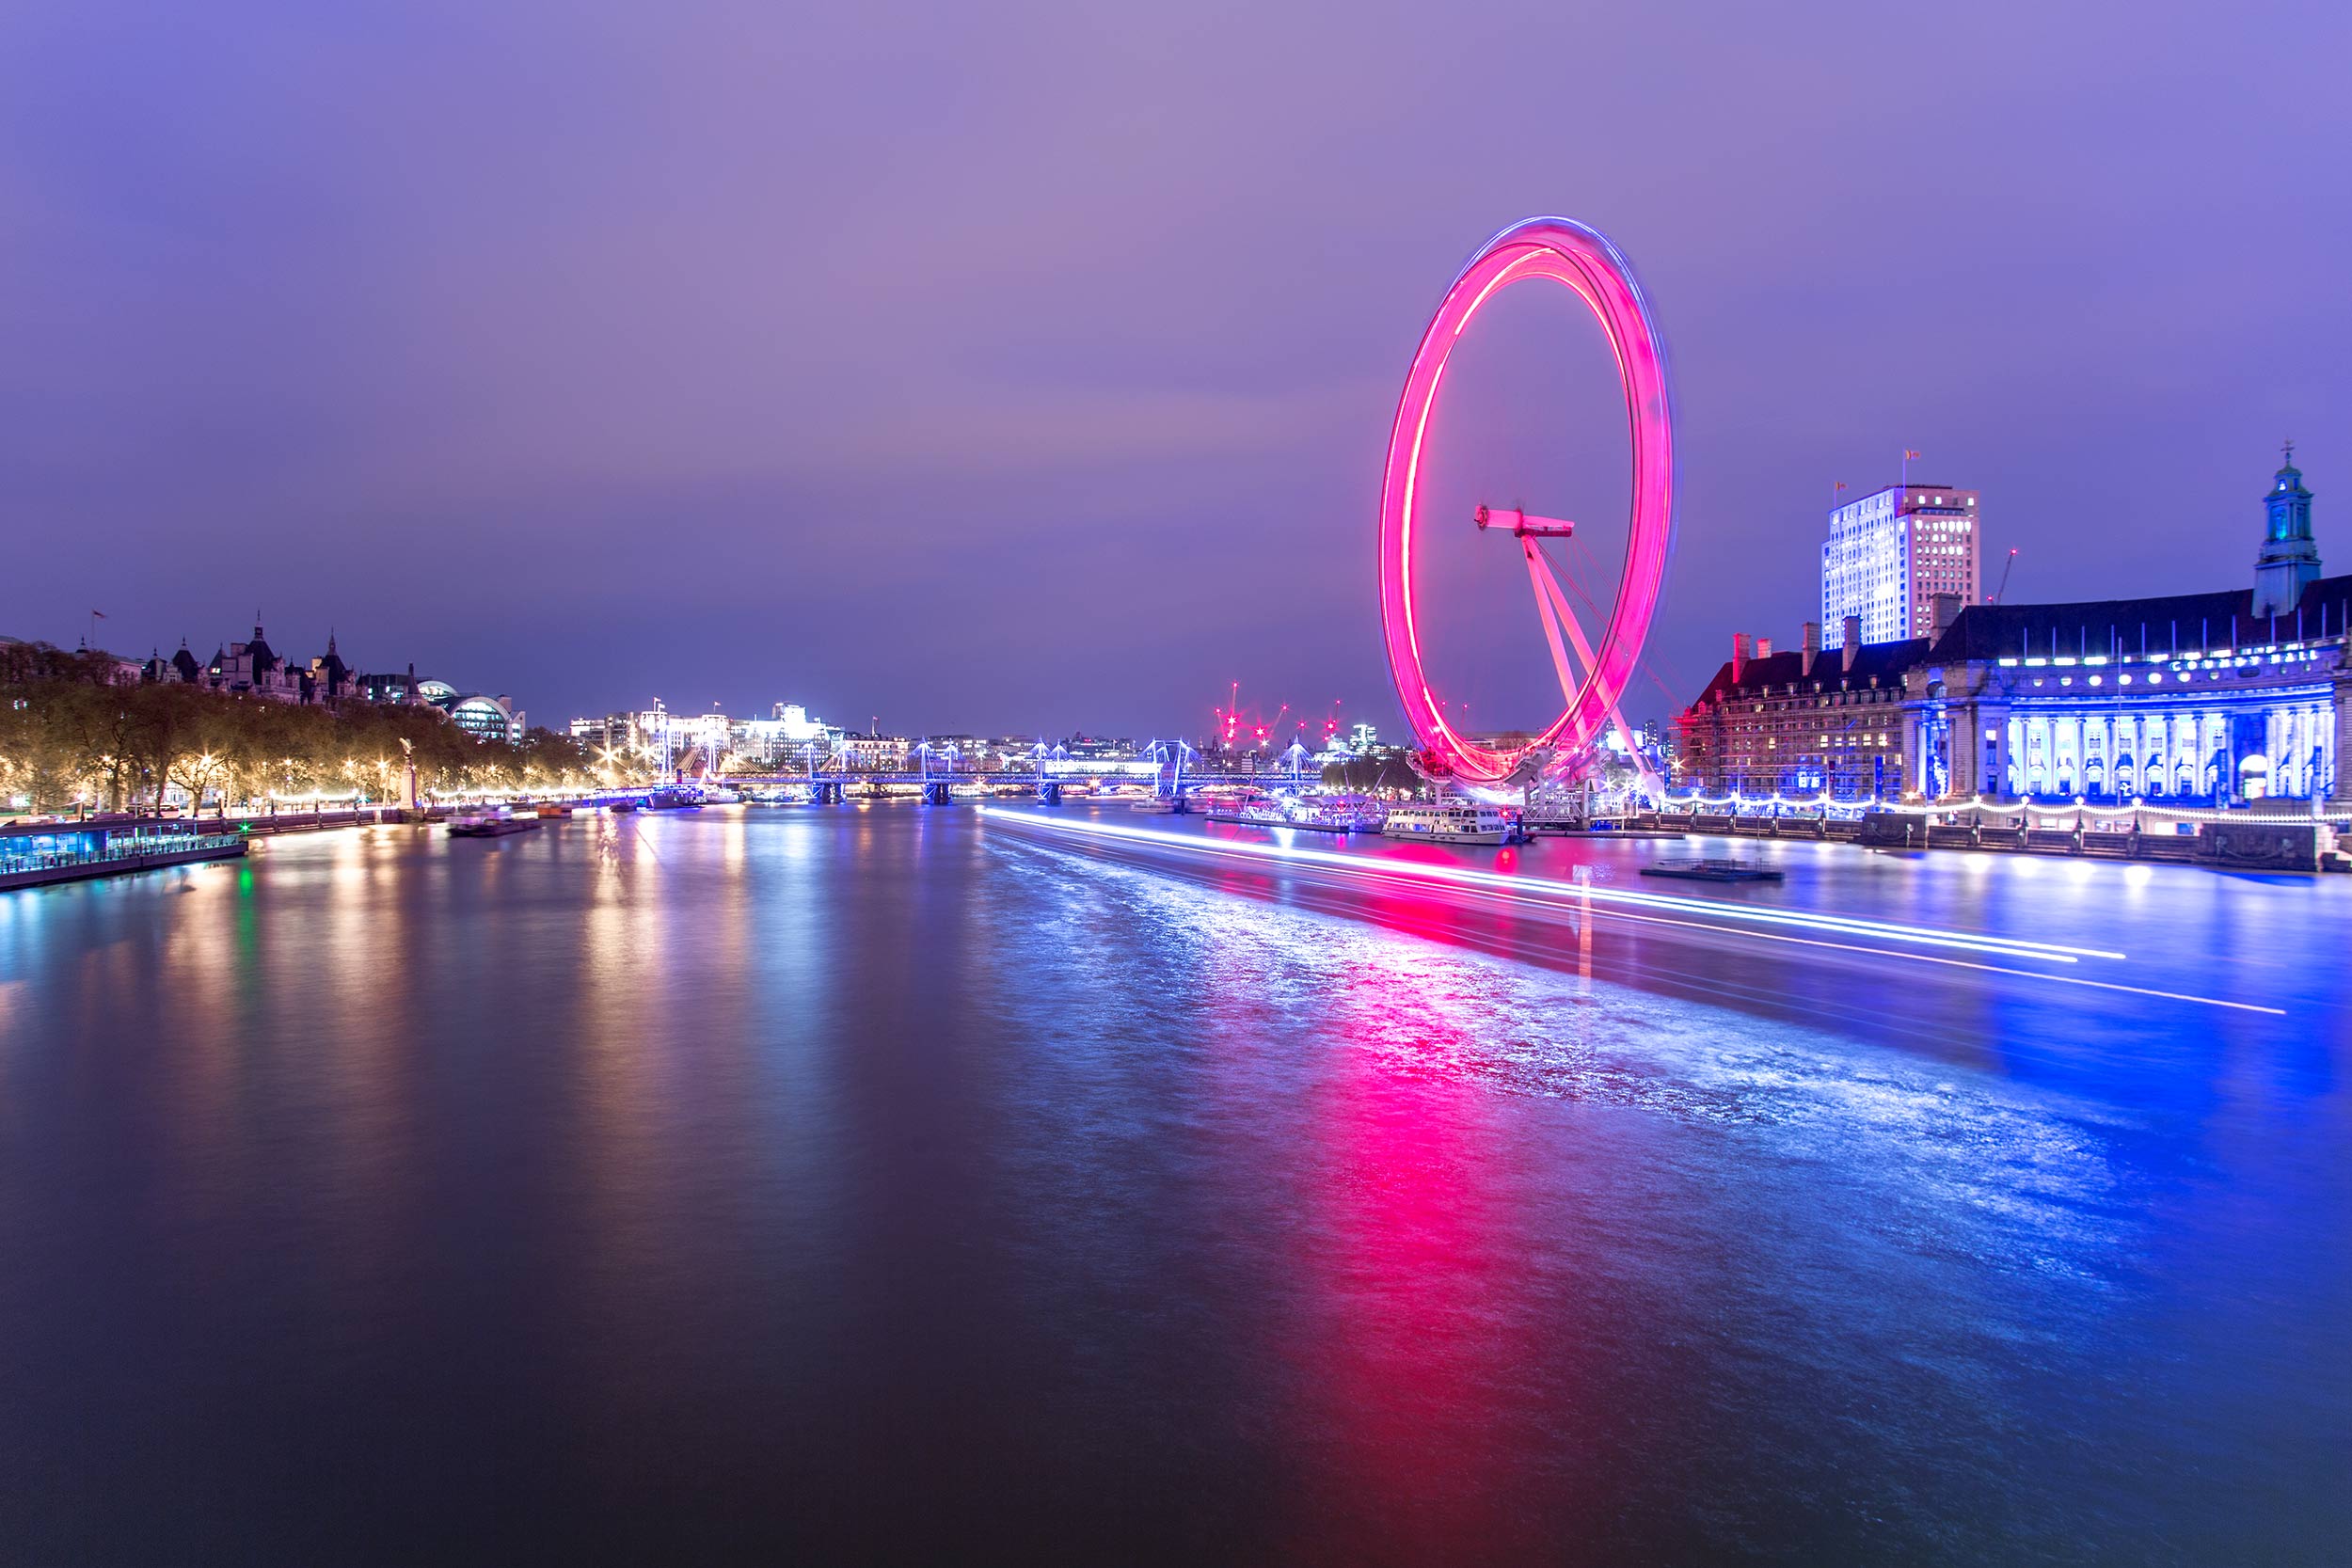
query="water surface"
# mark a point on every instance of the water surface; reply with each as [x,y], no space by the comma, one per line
[894,1183]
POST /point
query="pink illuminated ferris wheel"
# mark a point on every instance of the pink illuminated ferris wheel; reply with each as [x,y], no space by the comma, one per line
[1584,261]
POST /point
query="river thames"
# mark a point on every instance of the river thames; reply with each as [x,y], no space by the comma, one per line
[893,1183]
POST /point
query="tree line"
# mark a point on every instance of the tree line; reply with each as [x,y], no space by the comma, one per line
[73,729]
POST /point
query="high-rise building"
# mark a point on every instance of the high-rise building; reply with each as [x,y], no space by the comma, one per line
[1891,553]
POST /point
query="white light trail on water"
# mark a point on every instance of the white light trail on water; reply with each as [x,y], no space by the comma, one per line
[1541,890]
[1542,887]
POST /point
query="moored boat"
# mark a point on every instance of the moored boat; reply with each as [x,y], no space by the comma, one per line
[490,822]
[1455,822]
[1322,813]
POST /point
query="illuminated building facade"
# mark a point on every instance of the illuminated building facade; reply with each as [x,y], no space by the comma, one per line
[2191,698]
[2208,699]
[878,752]
[788,738]
[598,734]
[488,718]
[1891,553]
[1799,723]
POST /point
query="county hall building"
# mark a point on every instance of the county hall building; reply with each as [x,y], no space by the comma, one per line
[2200,698]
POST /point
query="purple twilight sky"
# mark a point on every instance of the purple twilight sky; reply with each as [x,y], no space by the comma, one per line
[1029,368]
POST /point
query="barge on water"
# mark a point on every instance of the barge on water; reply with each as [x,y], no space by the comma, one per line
[491,824]
[35,854]
[1713,871]
[1592,827]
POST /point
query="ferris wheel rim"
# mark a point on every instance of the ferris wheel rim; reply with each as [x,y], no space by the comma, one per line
[1583,259]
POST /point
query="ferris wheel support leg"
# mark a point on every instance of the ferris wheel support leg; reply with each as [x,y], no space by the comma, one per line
[1551,626]
[1547,588]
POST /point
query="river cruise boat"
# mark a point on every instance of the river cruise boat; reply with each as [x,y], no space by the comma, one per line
[1322,813]
[1458,822]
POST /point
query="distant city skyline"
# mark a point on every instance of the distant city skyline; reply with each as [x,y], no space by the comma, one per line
[1054,395]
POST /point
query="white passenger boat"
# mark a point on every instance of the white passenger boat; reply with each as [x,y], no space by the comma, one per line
[1457,822]
[1338,813]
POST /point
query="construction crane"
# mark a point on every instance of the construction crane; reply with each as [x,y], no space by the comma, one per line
[1994,598]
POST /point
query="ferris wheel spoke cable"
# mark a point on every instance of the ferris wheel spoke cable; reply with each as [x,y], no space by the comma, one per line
[1649,665]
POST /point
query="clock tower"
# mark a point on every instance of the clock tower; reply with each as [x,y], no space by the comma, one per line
[2289,561]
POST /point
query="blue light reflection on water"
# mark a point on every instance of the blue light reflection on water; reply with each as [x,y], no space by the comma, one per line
[875,1178]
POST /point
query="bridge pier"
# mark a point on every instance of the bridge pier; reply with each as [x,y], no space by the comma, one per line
[1049,792]
[825,792]
[934,792]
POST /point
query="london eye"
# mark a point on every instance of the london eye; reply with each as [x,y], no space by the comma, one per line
[1593,672]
